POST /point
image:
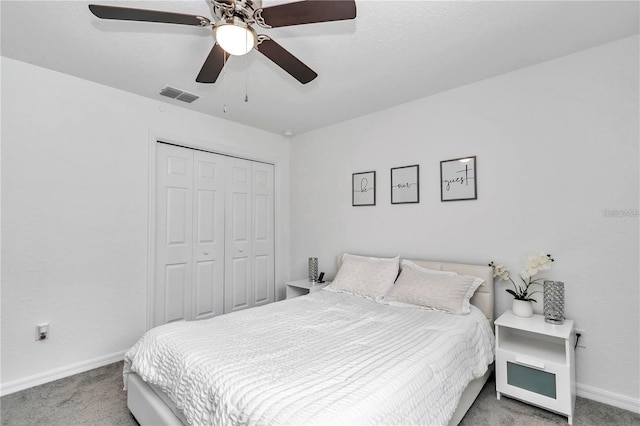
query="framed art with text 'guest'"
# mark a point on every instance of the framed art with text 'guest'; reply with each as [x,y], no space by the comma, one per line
[405,184]
[363,187]
[458,179]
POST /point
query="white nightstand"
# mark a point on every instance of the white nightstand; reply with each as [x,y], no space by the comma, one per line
[535,362]
[302,287]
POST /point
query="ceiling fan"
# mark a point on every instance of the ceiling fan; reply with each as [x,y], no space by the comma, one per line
[233,32]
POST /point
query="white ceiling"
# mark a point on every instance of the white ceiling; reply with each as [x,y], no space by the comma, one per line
[393,52]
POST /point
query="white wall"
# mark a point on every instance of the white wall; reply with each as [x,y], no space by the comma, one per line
[556,145]
[75,179]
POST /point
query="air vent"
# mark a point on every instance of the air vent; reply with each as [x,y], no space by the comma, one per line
[174,93]
[187,97]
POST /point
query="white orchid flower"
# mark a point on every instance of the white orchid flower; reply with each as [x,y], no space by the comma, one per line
[533,265]
[544,262]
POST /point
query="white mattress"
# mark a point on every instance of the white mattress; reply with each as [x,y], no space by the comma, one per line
[318,359]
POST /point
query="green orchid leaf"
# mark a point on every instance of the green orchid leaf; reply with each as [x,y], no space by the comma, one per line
[513,293]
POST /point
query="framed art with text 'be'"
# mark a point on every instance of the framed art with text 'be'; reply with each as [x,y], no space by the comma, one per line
[363,187]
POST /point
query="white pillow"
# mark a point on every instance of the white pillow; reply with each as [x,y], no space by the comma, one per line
[449,293]
[371,277]
[409,264]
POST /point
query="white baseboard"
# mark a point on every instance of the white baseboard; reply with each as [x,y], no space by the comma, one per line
[59,373]
[609,398]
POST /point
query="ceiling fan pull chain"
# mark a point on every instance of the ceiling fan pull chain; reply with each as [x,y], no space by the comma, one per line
[246,73]
[224,80]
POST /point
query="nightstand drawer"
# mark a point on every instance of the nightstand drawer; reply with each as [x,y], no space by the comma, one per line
[531,379]
[538,381]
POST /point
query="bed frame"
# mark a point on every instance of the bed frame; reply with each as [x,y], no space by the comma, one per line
[150,407]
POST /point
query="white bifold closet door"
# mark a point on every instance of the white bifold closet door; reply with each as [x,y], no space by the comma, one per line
[249,256]
[214,234]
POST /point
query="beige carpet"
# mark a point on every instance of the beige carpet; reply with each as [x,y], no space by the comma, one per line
[91,398]
[96,398]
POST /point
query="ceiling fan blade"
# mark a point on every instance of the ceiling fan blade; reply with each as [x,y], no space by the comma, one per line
[306,12]
[285,60]
[130,14]
[213,65]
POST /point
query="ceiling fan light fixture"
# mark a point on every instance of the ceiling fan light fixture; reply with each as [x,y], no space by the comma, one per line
[235,37]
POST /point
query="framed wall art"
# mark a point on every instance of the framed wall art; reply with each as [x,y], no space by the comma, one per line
[363,186]
[458,179]
[405,185]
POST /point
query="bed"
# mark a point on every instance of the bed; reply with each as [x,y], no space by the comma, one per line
[331,357]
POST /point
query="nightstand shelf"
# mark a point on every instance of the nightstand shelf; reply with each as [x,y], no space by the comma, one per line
[302,287]
[532,345]
[535,362]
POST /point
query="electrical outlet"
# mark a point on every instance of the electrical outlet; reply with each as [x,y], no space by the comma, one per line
[42,332]
[582,343]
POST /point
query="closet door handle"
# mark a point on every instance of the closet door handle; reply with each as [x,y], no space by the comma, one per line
[241,250]
[206,253]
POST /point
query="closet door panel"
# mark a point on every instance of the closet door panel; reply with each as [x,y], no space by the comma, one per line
[261,281]
[174,239]
[205,212]
[263,239]
[240,219]
[176,306]
[206,297]
[238,291]
[208,234]
[177,210]
[262,216]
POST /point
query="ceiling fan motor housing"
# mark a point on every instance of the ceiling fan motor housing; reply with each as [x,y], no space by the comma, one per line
[242,9]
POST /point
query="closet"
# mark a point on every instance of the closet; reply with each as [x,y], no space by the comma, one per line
[214,250]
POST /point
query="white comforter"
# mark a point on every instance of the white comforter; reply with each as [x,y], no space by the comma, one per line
[325,358]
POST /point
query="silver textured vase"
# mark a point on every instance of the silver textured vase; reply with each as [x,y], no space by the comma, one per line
[313,269]
[553,302]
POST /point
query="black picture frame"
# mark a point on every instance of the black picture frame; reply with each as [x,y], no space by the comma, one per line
[405,184]
[459,179]
[363,189]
